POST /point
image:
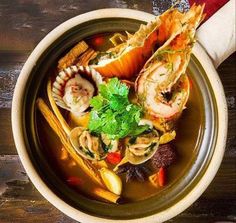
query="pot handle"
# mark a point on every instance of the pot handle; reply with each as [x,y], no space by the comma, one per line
[217,34]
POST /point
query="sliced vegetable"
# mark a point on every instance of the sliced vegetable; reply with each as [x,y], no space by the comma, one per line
[167,137]
[123,161]
[111,180]
[162,177]
[100,163]
[117,39]
[74,181]
[158,179]
[154,180]
[114,158]
[70,58]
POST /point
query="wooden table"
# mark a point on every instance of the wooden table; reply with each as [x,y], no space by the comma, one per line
[23,23]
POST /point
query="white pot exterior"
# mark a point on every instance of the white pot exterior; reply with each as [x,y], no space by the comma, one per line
[217,34]
[24,156]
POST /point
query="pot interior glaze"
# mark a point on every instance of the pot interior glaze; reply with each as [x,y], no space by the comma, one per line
[195,168]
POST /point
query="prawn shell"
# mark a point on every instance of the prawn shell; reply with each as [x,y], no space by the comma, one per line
[183,88]
[130,62]
[58,86]
[133,54]
[157,78]
[182,34]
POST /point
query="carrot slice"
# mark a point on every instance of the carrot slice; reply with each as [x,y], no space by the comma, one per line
[74,181]
[114,158]
[162,177]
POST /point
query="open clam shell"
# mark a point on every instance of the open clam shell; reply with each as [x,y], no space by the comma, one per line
[143,148]
[89,146]
[84,143]
[74,87]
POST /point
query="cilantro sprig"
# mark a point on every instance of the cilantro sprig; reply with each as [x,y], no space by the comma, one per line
[113,114]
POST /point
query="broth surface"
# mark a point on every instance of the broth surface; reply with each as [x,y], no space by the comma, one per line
[188,131]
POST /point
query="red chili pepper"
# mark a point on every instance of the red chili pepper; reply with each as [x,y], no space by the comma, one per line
[114,158]
[190,83]
[99,40]
[74,181]
[162,177]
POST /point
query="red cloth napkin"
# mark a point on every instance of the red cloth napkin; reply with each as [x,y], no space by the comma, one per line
[211,6]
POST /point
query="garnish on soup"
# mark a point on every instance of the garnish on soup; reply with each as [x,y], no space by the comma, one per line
[113,114]
[116,118]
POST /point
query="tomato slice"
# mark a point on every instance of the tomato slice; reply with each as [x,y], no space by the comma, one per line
[114,158]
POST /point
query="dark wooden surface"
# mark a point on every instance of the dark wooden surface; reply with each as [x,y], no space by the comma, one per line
[23,23]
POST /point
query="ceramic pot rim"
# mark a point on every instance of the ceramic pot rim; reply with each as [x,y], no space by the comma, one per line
[18,134]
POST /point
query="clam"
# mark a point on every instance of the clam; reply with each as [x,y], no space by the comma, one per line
[91,146]
[143,147]
[74,87]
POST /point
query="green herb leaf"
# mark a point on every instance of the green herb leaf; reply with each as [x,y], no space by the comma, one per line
[97,102]
[113,114]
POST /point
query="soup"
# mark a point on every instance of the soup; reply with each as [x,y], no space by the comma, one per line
[136,178]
